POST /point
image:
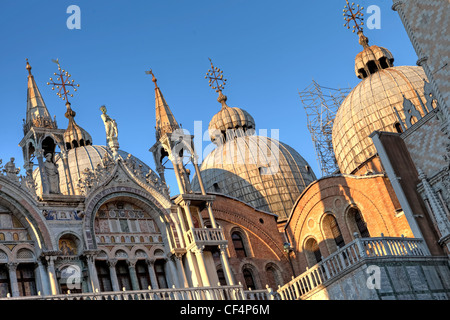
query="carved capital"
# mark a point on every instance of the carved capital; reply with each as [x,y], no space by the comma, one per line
[39,153]
[111,263]
[132,262]
[12,266]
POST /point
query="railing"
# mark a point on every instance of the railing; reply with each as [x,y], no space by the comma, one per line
[235,292]
[262,294]
[348,256]
[205,235]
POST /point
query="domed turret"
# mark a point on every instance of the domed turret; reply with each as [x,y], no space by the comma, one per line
[230,121]
[371,59]
[75,136]
[263,172]
[374,104]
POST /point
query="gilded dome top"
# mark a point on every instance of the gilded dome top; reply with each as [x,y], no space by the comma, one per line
[263,172]
[371,106]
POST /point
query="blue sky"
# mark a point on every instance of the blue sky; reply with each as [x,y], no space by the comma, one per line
[268,51]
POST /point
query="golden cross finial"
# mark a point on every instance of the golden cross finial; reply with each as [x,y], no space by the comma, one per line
[353,14]
[63,77]
[215,76]
[153,77]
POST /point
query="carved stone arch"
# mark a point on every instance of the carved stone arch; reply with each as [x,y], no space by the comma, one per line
[104,254]
[24,253]
[137,249]
[5,254]
[116,252]
[138,197]
[154,250]
[30,218]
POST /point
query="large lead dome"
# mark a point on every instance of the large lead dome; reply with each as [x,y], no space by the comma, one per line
[261,171]
[372,105]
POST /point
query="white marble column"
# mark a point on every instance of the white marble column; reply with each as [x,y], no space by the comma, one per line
[93,277]
[54,288]
[202,267]
[180,268]
[226,265]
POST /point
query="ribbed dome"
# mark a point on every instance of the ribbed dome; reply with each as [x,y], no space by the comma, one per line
[229,123]
[76,136]
[229,118]
[263,172]
[369,107]
[372,59]
[81,158]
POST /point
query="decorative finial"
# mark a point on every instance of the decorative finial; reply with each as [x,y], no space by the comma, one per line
[153,77]
[65,82]
[216,81]
[28,67]
[355,15]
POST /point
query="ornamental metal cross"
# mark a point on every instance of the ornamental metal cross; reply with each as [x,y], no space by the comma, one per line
[355,15]
[65,82]
[153,77]
[215,76]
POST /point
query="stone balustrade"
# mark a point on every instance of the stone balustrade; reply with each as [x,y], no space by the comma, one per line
[199,293]
[206,236]
[348,256]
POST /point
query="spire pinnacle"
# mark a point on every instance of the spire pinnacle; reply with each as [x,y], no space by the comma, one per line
[165,120]
[37,114]
[217,82]
[355,15]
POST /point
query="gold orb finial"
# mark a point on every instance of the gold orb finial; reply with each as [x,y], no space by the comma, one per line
[28,67]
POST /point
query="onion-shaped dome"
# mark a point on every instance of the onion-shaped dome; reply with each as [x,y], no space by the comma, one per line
[372,106]
[372,59]
[75,136]
[230,120]
[263,172]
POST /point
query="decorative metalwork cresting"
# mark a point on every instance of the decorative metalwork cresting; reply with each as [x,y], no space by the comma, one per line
[216,80]
[353,14]
[64,83]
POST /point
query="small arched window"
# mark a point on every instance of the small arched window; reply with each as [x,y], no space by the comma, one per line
[336,232]
[248,278]
[312,250]
[358,220]
[238,244]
